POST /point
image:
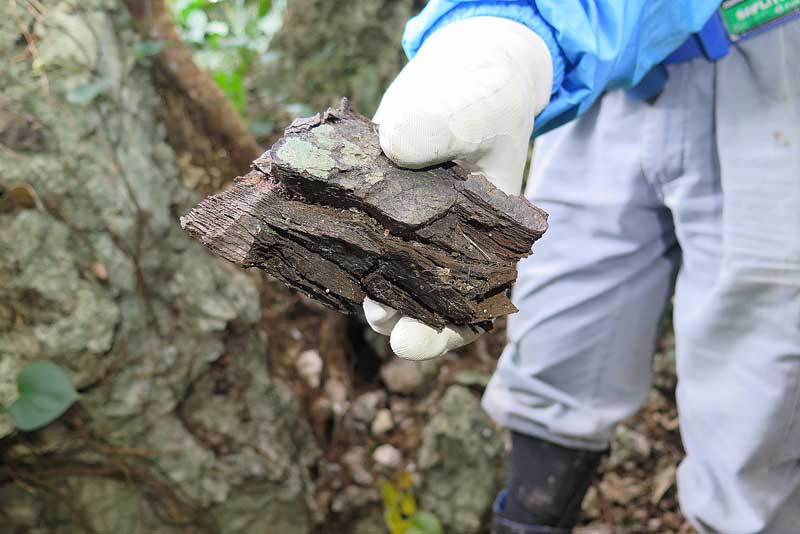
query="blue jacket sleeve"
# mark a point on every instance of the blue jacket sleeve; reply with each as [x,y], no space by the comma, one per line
[596,45]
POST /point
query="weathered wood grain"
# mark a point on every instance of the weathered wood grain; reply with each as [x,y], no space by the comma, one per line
[328,214]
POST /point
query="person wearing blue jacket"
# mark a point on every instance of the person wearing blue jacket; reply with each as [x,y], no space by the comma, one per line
[671,166]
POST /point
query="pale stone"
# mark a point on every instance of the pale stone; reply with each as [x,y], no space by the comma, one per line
[387,456]
[402,376]
[367,404]
[355,460]
[382,423]
[309,366]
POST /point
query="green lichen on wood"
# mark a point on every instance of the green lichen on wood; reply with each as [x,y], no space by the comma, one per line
[304,156]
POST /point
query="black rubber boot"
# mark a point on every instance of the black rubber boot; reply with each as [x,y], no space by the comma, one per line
[545,488]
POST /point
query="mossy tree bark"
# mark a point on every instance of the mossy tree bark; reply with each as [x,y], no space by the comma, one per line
[180,426]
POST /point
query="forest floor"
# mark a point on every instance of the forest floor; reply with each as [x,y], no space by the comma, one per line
[636,493]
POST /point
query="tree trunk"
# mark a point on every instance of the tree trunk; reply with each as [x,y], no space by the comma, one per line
[179,426]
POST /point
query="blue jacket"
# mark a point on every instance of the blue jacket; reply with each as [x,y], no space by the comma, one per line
[596,45]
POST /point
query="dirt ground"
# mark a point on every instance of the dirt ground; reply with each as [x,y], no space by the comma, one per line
[637,492]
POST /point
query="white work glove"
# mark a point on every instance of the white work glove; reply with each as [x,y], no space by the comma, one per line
[469,95]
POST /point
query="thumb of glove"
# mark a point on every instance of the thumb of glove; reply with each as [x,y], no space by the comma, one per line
[470,95]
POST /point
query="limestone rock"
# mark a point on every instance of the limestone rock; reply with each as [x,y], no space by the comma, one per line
[387,456]
[460,435]
[366,405]
[402,376]
[355,460]
[309,366]
[382,423]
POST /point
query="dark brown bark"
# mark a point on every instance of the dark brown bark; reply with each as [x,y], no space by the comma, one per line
[328,214]
[200,116]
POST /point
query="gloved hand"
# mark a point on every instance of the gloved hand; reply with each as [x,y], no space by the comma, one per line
[470,95]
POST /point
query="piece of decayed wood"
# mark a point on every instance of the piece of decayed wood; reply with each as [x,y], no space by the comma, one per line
[327,213]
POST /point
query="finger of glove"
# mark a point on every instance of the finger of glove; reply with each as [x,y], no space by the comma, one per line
[464,97]
[504,165]
[414,340]
[414,130]
[380,317]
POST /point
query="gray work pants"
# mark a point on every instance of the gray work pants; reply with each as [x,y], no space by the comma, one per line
[698,193]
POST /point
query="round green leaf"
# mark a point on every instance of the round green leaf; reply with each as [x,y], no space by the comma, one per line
[83,94]
[424,523]
[45,392]
[147,49]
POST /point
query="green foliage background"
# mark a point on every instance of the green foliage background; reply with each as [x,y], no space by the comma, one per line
[227,36]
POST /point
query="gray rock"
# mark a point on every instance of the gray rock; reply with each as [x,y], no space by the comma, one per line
[366,405]
[460,462]
[309,366]
[387,455]
[337,392]
[402,376]
[382,423]
[355,460]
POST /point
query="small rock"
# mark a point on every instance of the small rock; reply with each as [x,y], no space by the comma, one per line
[355,459]
[337,393]
[309,367]
[387,456]
[353,497]
[400,406]
[382,423]
[402,376]
[367,404]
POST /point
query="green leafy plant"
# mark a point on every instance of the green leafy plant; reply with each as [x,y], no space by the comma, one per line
[400,512]
[83,94]
[227,36]
[45,393]
[147,48]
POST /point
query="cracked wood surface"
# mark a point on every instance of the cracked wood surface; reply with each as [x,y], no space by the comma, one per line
[328,214]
